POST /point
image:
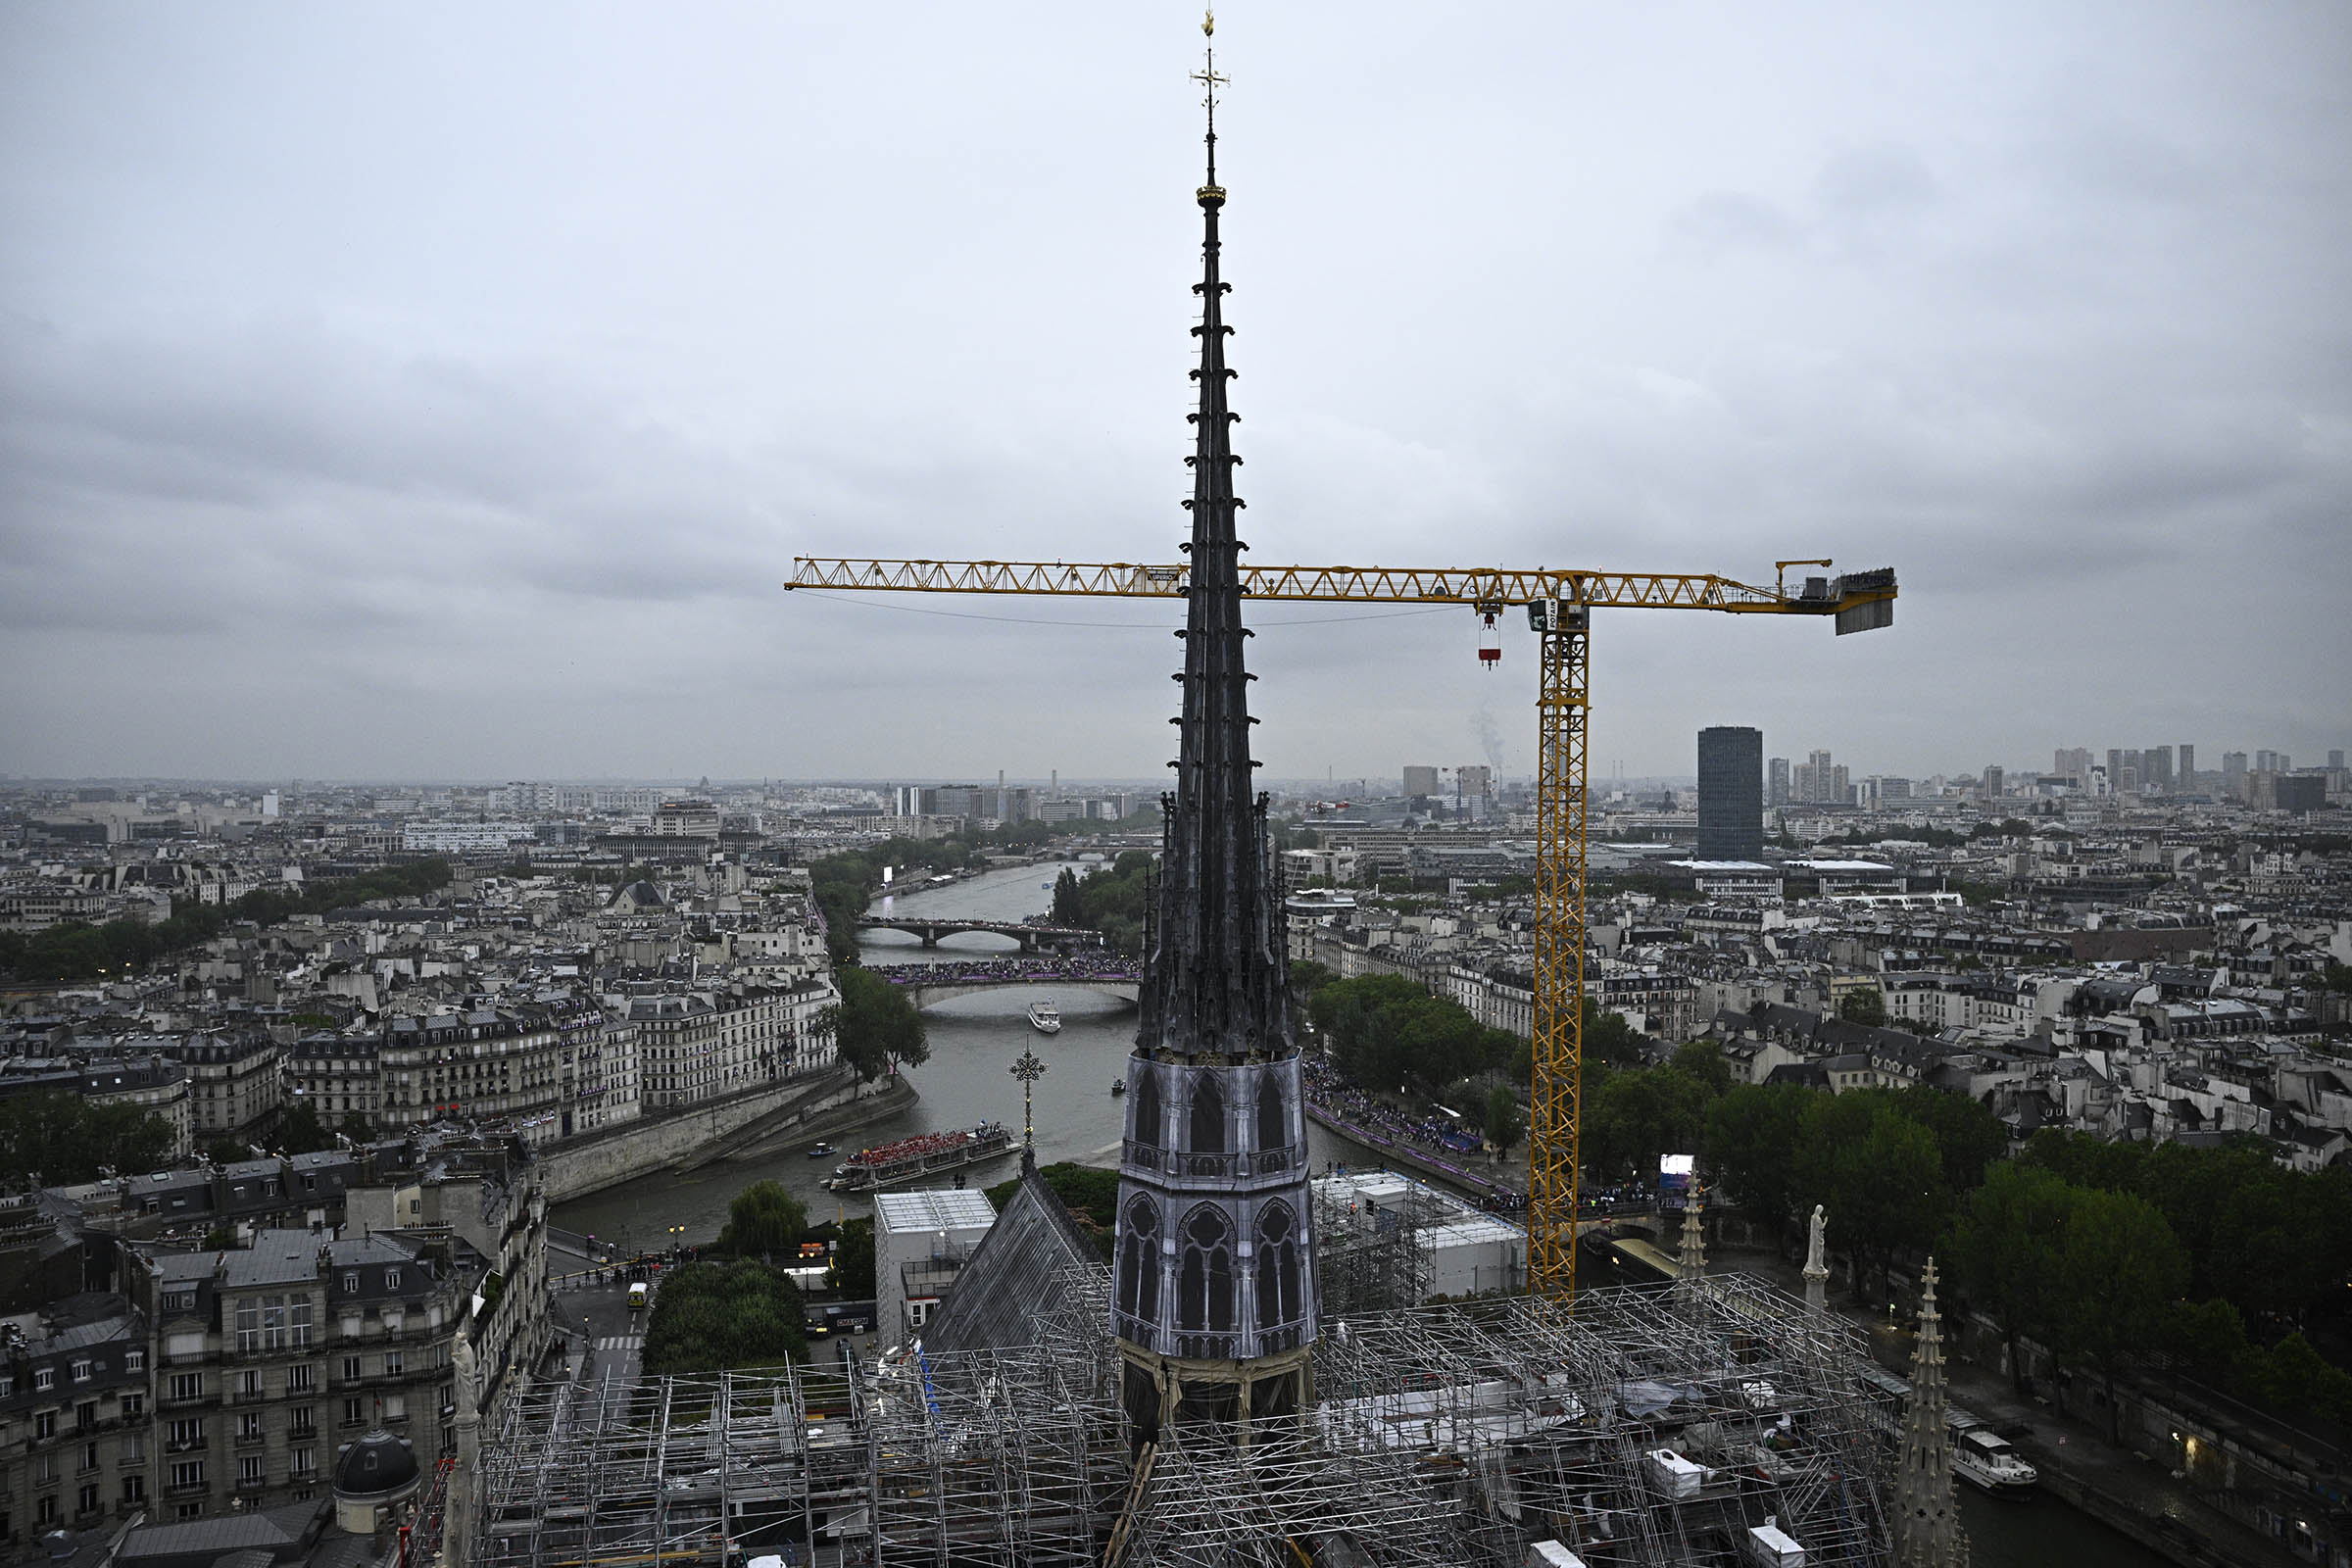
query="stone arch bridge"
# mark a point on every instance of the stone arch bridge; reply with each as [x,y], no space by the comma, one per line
[1032,938]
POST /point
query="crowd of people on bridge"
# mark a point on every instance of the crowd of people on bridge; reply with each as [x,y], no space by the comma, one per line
[1094,963]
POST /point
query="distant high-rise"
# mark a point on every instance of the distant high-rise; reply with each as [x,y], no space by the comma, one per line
[1474,780]
[1776,781]
[1731,793]
[1420,781]
[2156,768]
[2233,775]
[2073,763]
[2335,760]
[2188,767]
[1996,780]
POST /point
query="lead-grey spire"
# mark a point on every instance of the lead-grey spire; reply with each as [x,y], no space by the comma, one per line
[1213,1288]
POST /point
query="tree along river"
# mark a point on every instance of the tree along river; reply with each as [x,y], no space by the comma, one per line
[974,1041]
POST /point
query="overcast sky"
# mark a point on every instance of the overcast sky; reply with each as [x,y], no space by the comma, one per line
[444,391]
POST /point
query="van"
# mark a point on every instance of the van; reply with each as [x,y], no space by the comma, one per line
[638,1294]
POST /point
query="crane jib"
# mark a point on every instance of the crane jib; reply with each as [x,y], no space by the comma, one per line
[1861,601]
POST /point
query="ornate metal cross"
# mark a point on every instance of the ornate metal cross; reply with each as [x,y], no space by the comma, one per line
[1028,1070]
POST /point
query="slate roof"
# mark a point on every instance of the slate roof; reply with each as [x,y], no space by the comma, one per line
[1012,1274]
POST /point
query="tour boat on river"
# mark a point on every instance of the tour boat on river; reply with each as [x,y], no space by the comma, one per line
[1045,1018]
[924,1155]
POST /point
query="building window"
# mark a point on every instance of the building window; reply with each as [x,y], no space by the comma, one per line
[44,1424]
[85,1415]
[44,1511]
[249,1427]
[188,1434]
[81,1371]
[134,1405]
[44,1467]
[351,1369]
[45,1378]
[391,1279]
[135,1489]
[187,1385]
[392,1363]
[86,1500]
[302,1421]
[302,1462]
[134,1360]
[188,1473]
[298,1379]
[249,1385]
[249,1469]
[354,1411]
[351,1283]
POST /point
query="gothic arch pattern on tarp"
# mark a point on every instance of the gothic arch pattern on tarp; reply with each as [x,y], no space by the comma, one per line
[1143,1100]
[1206,1134]
[1204,1272]
[1277,1261]
[1139,1260]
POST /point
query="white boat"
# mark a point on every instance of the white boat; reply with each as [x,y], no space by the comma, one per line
[1045,1018]
[1984,1458]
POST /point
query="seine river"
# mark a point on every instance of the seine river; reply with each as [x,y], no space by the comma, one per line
[974,1041]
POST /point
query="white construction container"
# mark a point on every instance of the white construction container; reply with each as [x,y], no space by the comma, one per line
[1674,1475]
[1771,1546]
[1552,1554]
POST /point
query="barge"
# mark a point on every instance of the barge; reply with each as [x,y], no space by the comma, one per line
[924,1155]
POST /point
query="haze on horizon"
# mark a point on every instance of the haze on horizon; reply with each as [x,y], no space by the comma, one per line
[443,392]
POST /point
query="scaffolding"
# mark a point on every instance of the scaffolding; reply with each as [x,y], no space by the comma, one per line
[1368,1257]
[1652,1427]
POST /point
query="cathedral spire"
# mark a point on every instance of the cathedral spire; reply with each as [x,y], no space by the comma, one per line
[1217,956]
[1214,1295]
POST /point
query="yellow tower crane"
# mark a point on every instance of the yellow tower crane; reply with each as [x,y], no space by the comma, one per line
[1558,606]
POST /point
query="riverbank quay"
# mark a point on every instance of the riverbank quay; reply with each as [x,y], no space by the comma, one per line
[684,1138]
[2128,1492]
[1502,1182]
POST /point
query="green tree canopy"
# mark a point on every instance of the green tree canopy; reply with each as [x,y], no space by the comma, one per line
[1636,1116]
[1864,1004]
[876,1028]
[712,1318]
[853,1259]
[1505,1125]
[66,1139]
[1879,1173]
[2121,1273]
[1385,1031]
[1752,1137]
[2005,1250]
[764,1220]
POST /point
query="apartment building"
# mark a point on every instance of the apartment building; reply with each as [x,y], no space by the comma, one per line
[222,1380]
[701,1044]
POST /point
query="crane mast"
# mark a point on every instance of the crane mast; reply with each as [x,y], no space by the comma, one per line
[1558,606]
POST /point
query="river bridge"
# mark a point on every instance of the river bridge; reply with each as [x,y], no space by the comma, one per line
[1032,938]
[925,984]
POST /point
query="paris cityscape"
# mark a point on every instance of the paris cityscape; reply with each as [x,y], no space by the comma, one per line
[655,909]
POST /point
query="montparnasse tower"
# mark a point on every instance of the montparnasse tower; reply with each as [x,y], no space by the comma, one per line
[1213,1288]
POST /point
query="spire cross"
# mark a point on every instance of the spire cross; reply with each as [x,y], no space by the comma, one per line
[1208,77]
[1028,1070]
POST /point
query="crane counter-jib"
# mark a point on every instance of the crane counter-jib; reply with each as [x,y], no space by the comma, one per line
[1473,586]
